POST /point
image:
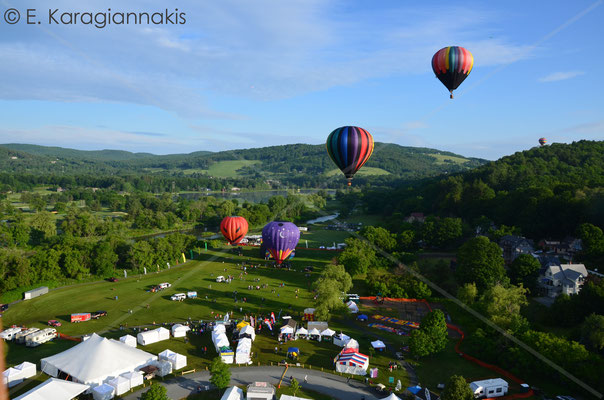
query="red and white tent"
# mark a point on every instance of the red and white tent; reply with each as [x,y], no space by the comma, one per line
[350,361]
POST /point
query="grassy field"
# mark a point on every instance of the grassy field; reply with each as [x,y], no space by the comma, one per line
[365,171]
[223,169]
[441,159]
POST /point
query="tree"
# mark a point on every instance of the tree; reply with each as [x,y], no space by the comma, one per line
[592,332]
[104,259]
[503,306]
[220,374]
[295,386]
[380,237]
[156,392]
[457,388]
[329,287]
[44,226]
[480,261]
[525,270]
[431,337]
[357,257]
[467,293]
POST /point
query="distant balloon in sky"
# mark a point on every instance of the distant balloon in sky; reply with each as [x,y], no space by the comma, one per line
[452,65]
[233,229]
[349,148]
[280,239]
[542,141]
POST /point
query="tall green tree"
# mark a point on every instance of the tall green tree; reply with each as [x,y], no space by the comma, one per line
[467,293]
[525,270]
[220,373]
[156,392]
[592,332]
[431,337]
[333,282]
[380,237]
[295,386]
[104,259]
[480,261]
[357,257]
[457,388]
[503,304]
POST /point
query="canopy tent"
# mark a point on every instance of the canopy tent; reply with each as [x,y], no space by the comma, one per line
[341,339]
[103,392]
[232,393]
[135,378]
[242,324]
[246,331]
[179,330]
[96,359]
[362,317]
[153,336]
[301,331]
[350,361]
[129,340]
[178,361]
[12,377]
[221,342]
[27,369]
[220,328]
[378,344]
[54,389]
[352,307]
[120,384]
[352,344]
[163,333]
[328,332]
[392,397]
[293,350]
[414,389]
[244,348]
[314,332]
[287,330]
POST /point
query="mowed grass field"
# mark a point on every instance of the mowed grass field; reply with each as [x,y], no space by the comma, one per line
[223,169]
[365,171]
[441,158]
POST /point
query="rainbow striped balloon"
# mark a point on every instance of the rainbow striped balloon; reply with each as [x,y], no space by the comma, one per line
[349,147]
[452,65]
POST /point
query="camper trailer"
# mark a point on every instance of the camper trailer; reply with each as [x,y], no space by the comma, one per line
[80,317]
[489,388]
[192,295]
[43,336]
[20,337]
[10,333]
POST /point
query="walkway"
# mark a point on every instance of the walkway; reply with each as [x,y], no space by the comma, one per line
[322,382]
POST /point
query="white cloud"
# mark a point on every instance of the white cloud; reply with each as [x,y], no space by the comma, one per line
[561,76]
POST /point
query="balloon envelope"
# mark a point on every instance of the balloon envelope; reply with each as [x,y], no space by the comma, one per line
[233,229]
[280,239]
[542,141]
[452,65]
[349,148]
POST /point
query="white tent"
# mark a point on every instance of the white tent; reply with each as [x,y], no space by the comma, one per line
[341,339]
[96,359]
[285,330]
[153,336]
[392,397]
[232,393]
[54,389]
[352,344]
[103,392]
[301,332]
[244,348]
[178,361]
[378,344]
[163,333]
[129,340]
[314,332]
[219,328]
[28,369]
[135,378]
[179,330]
[248,330]
[164,367]
[328,332]
[220,340]
[12,377]
[120,384]
[352,307]
[288,397]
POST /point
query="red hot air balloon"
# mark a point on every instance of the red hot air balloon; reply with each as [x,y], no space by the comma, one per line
[452,65]
[234,229]
[542,141]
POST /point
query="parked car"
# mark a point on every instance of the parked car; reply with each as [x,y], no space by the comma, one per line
[112,279]
[3,307]
[54,322]
[98,314]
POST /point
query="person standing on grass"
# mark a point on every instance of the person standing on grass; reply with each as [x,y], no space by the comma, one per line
[305,378]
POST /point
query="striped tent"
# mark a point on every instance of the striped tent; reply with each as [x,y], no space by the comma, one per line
[350,361]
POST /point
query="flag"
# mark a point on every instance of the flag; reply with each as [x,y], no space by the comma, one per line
[183,258]
[125,274]
[145,268]
[273,317]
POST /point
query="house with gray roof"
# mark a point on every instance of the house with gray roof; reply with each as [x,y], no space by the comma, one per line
[563,279]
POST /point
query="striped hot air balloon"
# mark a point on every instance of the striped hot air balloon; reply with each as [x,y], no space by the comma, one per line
[233,229]
[452,65]
[542,141]
[349,147]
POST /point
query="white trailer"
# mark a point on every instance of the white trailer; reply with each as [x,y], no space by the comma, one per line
[43,336]
[489,388]
[20,337]
[10,333]
[30,294]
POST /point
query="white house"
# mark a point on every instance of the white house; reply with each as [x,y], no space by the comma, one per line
[563,279]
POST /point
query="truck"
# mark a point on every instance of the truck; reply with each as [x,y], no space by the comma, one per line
[489,388]
[20,337]
[43,336]
[30,294]
[80,317]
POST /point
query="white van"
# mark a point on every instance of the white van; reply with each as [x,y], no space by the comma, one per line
[43,336]
[489,388]
[164,285]
[220,279]
[178,297]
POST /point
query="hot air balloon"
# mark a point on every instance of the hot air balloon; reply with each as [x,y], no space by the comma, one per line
[349,148]
[233,229]
[542,141]
[452,65]
[280,239]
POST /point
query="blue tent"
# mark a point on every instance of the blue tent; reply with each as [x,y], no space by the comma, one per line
[362,317]
[293,350]
[414,389]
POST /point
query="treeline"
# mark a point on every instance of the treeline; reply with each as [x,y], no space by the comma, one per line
[545,192]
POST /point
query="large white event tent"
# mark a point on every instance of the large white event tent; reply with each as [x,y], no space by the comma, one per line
[179,330]
[54,389]
[177,360]
[94,360]
[153,336]
[233,393]
[129,340]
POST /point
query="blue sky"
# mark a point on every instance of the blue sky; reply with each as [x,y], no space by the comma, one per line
[242,74]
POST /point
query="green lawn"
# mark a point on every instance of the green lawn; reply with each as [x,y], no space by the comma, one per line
[223,169]
[365,171]
[441,158]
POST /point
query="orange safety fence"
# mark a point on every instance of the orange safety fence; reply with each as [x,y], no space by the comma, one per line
[66,337]
[468,357]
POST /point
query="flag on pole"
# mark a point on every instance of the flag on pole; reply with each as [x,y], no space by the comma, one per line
[125,274]
[183,258]
[168,265]
[272,317]
[145,268]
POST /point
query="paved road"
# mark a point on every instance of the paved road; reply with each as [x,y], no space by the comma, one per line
[322,382]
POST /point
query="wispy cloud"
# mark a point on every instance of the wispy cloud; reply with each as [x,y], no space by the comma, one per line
[561,76]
